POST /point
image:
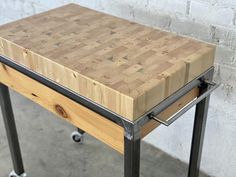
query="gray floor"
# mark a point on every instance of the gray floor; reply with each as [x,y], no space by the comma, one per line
[48,150]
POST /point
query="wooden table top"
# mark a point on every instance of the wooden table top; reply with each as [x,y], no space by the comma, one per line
[124,66]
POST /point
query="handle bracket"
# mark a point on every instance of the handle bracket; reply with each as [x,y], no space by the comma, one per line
[212,86]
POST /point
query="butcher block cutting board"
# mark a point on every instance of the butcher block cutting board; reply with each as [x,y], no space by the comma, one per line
[124,66]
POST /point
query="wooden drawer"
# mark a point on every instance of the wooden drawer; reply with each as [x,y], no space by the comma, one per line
[78,115]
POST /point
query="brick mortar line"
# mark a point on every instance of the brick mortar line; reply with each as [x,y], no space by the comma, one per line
[234,19]
[188,7]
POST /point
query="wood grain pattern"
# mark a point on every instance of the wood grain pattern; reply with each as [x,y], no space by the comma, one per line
[124,66]
[89,121]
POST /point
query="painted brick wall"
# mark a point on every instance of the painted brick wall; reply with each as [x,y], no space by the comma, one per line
[213,21]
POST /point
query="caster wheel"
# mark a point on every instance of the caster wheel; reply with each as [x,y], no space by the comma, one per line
[77,137]
[13,174]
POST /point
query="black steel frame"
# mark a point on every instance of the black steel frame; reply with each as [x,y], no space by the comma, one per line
[132,137]
[11,131]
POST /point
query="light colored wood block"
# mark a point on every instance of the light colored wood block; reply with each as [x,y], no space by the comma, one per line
[124,66]
[89,121]
[76,114]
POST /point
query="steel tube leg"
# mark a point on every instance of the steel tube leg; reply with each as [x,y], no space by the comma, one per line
[132,158]
[198,136]
[11,131]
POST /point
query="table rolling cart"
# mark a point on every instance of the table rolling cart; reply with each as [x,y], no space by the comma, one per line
[113,79]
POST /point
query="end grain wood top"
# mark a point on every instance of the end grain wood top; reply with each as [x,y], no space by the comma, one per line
[124,66]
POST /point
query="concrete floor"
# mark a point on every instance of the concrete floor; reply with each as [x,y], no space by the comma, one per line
[48,150]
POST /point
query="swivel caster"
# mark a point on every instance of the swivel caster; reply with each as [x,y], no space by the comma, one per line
[13,174]
[77,137]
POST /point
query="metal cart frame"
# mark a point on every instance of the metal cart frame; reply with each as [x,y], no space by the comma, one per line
[132,137]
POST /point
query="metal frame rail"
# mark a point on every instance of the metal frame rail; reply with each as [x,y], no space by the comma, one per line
[132,137]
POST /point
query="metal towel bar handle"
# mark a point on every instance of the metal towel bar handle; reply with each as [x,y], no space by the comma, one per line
[175,116]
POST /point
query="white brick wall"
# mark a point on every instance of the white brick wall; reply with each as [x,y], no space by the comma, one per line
[226,37]
[214,14]
[226,3]
[168,6]
[209,20]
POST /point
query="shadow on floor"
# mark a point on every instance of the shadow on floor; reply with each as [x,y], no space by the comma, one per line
[49,151]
